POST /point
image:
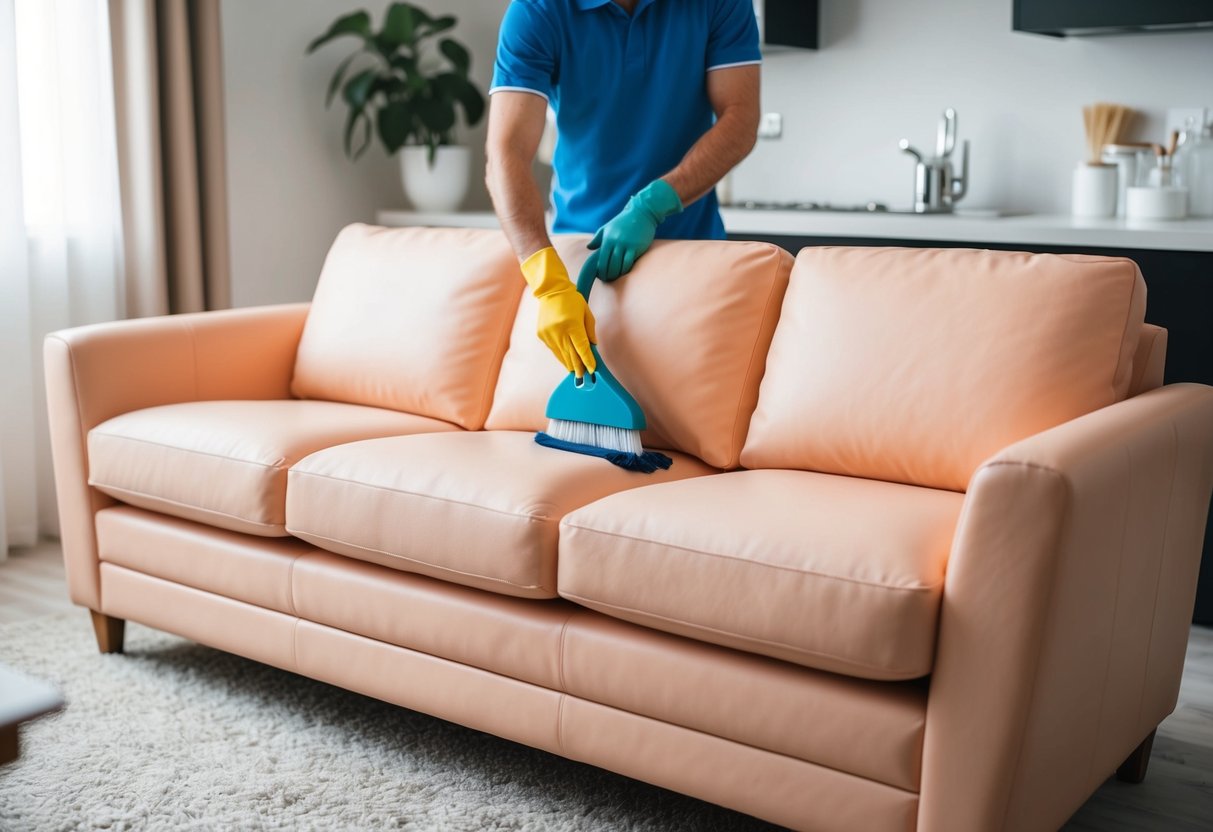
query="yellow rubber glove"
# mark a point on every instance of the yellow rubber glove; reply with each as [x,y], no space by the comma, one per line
[566,324]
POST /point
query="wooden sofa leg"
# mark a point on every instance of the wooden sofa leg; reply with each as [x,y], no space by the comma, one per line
[109,632]
[1133,770]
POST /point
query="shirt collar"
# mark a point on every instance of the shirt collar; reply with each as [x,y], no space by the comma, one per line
[586,5]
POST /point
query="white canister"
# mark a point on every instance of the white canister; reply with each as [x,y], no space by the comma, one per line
[1124,156]
[1094,192]
[1167,203]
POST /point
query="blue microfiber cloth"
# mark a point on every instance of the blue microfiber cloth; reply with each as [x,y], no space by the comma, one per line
[645,463]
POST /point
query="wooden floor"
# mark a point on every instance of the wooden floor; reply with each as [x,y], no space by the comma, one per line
[1177,795]
[32,583]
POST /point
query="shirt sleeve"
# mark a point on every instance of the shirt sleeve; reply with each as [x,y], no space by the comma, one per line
[733,40]
[527,51]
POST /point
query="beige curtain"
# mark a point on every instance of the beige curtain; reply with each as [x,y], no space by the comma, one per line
[168,103]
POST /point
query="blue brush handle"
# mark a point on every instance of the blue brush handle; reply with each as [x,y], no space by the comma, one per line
[589,273]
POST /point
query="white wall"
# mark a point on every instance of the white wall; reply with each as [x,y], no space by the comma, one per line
[888,68]
[290,187]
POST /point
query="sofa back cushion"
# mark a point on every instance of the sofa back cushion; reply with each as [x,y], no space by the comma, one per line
[686,332]
[411,319]
[915,365]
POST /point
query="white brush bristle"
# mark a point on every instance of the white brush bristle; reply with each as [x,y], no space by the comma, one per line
[600,436]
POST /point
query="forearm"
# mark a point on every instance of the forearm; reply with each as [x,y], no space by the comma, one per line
[518,203]
[716,153]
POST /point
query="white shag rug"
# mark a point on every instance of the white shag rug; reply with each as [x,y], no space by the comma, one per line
[172,735]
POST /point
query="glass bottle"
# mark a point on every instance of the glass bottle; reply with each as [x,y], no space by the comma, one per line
[1194,163]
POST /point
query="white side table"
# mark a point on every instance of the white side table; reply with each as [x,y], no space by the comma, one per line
[21,699]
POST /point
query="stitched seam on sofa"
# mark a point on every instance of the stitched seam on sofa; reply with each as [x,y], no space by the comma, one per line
[390,490]
[560,721]
[564,629]
[189,327]
[802,651]
[1124,330]
[1162,558]
[1062,529]
[737,435]
[314,536]
[280,466]
[133,493]
[1120,570]
[290,583]
[760,564]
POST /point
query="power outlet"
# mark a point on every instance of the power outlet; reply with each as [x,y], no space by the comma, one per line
[1177,118]
[770,126]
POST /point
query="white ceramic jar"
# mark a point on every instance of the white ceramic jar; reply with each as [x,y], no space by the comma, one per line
[1094,190]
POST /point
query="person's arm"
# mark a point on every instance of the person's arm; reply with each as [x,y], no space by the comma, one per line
[735,96]
[734,93]
[566,325]
[516,122]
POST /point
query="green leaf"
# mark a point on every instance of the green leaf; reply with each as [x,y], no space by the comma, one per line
[359,88]
[415,81]
[358,23]
[437,26]
[460,89]
[392,87]
[405,63]
[338,77]
[436,113]
[473,105]
[394,123]
[456,54]
[400,27]
[357,116]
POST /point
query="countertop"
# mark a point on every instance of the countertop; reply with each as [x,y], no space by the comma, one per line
[1181,235]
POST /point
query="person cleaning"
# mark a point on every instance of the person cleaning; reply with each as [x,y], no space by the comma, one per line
[655,102]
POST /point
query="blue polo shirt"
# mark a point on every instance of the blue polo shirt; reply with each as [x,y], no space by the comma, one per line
[629,92]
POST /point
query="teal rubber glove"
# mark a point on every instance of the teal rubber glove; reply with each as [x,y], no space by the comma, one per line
[631,232]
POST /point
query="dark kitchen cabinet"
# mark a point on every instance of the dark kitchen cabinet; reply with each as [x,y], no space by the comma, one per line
[788,23]
[1179,286]
[1106,17]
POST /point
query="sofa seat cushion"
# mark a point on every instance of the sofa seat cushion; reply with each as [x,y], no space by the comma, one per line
[836,573]
[478,509]
[225,463]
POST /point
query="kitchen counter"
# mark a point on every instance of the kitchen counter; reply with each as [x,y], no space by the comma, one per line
[1181,235]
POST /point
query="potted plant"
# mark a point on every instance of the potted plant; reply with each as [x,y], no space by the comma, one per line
[408,95]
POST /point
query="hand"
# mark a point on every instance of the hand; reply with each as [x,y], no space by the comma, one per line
[566,324]
[631,232]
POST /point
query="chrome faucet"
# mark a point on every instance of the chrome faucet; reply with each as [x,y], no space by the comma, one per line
[936,188]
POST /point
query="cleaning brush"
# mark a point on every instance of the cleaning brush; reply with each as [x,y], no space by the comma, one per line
[595,415]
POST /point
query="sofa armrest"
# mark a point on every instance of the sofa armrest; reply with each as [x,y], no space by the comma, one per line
[1150,360]
[94,373]
[1066,611]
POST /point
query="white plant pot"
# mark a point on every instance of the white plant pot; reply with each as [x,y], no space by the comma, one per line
[442,187]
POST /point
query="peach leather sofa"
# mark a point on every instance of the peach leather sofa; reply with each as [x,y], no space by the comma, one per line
[925,558]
